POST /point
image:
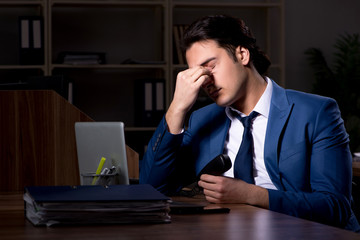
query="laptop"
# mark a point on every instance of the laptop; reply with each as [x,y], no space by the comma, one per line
[97,140]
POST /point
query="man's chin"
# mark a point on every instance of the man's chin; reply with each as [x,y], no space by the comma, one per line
[221,103]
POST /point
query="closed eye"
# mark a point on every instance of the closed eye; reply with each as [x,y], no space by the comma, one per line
[210,65]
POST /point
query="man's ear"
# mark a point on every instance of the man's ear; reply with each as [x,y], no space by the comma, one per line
[242,55]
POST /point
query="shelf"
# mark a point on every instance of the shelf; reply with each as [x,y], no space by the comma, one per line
[107,3]
[101,30]
[225,4]
[23,3]
[111,66]
[140,129]
[180,66]
[42,67]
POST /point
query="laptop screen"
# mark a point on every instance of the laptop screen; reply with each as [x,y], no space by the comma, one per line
[98,140]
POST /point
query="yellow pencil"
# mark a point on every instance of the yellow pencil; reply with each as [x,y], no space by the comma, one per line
[98,170]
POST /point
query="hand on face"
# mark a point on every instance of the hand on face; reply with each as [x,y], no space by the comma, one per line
[188,85]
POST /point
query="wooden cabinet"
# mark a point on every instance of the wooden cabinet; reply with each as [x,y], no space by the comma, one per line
[137,39]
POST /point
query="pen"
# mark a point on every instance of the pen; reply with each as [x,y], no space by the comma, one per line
[98,171]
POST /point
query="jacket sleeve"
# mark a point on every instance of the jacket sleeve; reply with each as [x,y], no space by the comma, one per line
[159,166]
[171,161]
[328,199]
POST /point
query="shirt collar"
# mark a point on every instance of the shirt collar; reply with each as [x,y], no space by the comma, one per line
[262,106]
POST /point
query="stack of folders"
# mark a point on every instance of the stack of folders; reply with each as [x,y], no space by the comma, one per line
[115,204]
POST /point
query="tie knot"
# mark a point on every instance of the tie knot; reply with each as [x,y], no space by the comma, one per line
[247,121]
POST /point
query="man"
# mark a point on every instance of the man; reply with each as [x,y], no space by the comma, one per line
[301,163]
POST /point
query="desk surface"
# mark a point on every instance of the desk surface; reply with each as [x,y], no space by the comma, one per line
[243,222]
[356,169]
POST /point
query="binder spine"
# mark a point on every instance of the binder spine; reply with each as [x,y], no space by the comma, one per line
[149,102]
[31,32]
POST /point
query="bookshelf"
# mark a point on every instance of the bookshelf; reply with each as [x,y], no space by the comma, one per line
[265,19]
[137,39]
[10,12]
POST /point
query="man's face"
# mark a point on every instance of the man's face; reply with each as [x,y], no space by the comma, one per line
[227,78]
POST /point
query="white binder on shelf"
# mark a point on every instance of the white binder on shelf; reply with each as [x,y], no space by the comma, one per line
[31,40]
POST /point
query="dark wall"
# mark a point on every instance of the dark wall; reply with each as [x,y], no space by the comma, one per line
[310,23]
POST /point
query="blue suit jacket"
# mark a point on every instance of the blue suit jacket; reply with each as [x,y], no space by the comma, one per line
[306,155]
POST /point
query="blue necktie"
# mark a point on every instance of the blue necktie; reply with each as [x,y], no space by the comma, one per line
[243,165]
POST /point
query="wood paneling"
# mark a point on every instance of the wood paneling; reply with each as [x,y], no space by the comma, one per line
[37,140]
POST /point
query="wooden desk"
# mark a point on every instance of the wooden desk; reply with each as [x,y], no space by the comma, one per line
[356,169]
[243,222]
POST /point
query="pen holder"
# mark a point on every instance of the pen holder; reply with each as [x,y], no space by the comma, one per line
[98,179]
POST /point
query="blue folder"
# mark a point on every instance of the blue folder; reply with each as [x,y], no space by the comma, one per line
[115,204]
[96,193]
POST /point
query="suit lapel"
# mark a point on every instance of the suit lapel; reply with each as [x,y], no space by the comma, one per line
[218,137]
[213,145]
[280,110]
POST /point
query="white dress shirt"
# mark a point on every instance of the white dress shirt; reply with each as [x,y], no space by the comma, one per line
[234,138]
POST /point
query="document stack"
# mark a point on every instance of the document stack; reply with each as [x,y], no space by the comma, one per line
[81,58]
[115,204]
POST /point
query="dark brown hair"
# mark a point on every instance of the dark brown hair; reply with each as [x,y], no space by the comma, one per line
[229,33]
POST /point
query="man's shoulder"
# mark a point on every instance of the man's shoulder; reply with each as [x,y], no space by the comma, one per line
[311,105]
[299,97]
[209,112]
[209,108]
